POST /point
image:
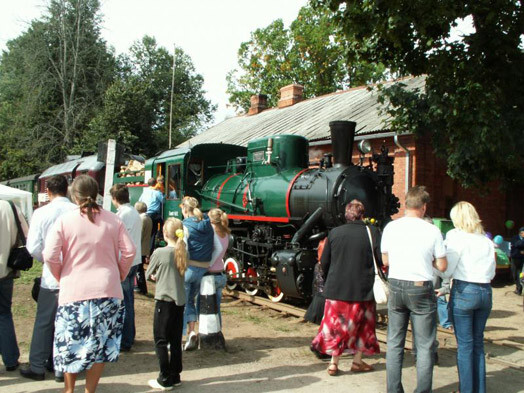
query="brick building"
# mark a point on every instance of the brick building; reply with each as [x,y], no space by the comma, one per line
[414,163]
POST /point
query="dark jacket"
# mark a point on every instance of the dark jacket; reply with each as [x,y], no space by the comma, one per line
[517,245]
[347,262]
[200,241]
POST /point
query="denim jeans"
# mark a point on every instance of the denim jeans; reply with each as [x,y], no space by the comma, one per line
[443,312]
[470,307]
[8,344]
[220,283]
[128,331]
[192,286]
[415,301]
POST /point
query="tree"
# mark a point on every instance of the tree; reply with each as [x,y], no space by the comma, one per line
[52,80]
[310,52]
[137,106]
[79,62]
[473,102]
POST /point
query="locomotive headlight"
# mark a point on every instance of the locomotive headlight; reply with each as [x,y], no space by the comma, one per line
[364,146]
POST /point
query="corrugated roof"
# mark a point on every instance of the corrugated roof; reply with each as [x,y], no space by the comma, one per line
[90,163]
[83,163]
[309,118]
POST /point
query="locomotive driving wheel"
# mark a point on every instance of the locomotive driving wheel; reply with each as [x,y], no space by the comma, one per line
[275,294]
[251,277]
[232,272]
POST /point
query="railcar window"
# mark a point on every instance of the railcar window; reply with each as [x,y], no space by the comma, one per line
[173,172]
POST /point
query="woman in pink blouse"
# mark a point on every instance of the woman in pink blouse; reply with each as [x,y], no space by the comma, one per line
[220,224]
[89,252]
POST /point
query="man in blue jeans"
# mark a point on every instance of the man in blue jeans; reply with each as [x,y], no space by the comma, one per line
[411,247]
[133,224]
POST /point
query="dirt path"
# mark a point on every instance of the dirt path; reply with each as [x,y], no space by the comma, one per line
[270,353]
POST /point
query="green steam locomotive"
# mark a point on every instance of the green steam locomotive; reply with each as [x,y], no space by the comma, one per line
[278,205]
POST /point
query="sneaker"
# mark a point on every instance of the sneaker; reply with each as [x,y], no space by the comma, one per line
[192,342]
[176,381]
[59,377]
[156,385]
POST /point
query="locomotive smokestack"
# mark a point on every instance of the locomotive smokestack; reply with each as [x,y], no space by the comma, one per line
[342,137]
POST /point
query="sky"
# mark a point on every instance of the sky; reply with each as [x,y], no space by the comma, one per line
[209,31]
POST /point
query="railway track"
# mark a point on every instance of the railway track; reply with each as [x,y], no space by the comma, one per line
[445,335]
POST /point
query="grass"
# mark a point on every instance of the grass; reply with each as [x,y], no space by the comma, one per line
[27,277]
[253,318]
[284,329]
[23,309]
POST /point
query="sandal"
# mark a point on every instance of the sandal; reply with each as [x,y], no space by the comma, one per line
[332,369]
[361,367]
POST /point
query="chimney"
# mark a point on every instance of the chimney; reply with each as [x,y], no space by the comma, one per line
[342,137]
[258,104]
[290,95]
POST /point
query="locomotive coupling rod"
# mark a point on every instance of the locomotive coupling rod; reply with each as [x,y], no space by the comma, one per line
[249,254]
[308,225]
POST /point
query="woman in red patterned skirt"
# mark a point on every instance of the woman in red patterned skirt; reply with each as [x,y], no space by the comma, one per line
[349,315]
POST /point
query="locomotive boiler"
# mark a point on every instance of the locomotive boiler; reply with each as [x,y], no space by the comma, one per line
[280,207]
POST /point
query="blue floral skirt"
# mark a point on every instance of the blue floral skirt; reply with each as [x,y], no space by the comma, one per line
[87,332]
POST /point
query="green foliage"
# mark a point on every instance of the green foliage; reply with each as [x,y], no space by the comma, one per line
[472,106]
[62,91]
[137,106]
[52,81]
[310,52]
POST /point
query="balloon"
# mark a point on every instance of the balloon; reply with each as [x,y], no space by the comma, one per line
[498,240]
[489,235]
[510,224]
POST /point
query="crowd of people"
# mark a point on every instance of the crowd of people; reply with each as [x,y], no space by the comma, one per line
[417,258]
[92,259]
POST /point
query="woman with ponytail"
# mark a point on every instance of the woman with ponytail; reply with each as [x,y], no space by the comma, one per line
[220,224]
[199,234]
[168,266]
[89,252]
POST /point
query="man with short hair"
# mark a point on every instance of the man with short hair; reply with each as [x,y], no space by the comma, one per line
[133,224]
[8,237]
[41,351]
[154,200]
[411,248]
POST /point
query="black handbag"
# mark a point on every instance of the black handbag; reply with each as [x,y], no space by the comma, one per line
[35,291]
[19,257]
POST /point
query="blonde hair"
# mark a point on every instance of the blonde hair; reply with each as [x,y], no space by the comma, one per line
[84,191]
[466,218]
[220,220]
[141,207]
[171,226]
[191,206]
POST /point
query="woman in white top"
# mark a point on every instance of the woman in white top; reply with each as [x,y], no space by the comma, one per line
[471,264]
